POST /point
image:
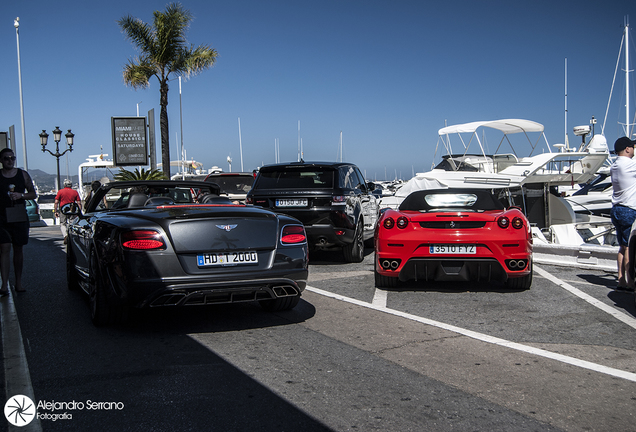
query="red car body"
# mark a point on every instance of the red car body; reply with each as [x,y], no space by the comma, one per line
[453,235]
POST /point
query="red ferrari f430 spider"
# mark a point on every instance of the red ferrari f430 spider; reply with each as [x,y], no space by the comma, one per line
[454,235]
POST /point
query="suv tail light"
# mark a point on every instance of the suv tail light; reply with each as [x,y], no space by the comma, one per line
[293,234]
[338,199]
[142,240]
[249,200]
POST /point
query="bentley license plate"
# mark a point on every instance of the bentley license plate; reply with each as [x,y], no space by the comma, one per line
[453,249]
[227,258]
[298,202]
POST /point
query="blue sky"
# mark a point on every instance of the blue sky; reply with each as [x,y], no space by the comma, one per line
[388,74]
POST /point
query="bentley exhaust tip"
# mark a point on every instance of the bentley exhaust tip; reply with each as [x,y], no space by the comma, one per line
[284,291]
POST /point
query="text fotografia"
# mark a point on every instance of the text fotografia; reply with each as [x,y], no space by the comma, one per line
[71,406]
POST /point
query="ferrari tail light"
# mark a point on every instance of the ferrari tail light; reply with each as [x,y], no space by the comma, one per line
[142,240]
[503,222]
[389,223]
[402,222]
[517,223]
[293,234]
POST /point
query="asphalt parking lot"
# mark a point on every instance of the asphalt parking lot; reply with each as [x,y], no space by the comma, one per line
[560,356]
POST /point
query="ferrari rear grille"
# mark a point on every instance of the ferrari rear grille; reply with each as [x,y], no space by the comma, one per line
[453,224]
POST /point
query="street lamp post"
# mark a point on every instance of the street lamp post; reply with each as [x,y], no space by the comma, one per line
[16,24]
[57,136]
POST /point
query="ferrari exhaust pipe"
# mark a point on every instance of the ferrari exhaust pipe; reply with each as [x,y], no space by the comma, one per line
[517,264]
[394,264]
[386,264]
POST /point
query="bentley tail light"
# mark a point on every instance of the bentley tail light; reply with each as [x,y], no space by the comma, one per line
[142,240]
[402,222]
[389,223]
[503,222]
[517,223]
[293,234]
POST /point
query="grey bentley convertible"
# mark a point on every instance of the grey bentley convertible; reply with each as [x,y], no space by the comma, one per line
[145,244]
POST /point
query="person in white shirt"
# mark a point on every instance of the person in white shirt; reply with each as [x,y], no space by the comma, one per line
[623,213]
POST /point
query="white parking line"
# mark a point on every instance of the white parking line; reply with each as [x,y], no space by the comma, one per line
[379,298]
[486,338]
[621,316]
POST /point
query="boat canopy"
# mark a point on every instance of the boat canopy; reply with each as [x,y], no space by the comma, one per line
[507,126]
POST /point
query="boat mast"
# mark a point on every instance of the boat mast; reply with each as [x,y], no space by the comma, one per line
[627,119]
[567,143]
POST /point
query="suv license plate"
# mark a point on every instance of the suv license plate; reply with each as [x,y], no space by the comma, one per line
[299,202]
[453,249]
[227,258]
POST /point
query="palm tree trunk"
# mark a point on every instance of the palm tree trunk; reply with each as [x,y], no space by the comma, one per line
[163,121]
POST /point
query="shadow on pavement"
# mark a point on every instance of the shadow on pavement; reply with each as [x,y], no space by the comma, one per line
[164,378]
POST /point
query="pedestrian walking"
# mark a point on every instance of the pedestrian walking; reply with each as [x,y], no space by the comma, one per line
[16,186]
[66,195]
[623,213]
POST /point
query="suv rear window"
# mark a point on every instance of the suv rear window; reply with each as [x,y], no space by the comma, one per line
[290,178]
[233,184]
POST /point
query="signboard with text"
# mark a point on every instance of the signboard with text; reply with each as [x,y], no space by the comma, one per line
[130,146]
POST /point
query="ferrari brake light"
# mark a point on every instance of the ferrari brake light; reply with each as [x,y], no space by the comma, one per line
[402,222]
[293,234]
[503,222]
[389,223]
[517,223]
[142,240]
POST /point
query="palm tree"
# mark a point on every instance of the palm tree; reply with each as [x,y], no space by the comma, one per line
[163,52]
[152,174]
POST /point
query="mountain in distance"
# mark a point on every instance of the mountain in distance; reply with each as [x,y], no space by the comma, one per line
[45,182]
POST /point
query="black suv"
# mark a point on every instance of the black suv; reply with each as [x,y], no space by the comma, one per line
[331,199]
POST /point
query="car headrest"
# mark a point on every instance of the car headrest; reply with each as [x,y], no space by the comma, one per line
[137,200]
[215,199]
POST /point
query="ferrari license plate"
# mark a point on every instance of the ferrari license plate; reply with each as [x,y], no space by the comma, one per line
[298,202]
[227,258]
[453,249]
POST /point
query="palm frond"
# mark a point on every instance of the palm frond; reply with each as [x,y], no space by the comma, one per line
[151,174]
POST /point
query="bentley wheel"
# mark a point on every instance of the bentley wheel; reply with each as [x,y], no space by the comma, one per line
[280,304]
[71,273]
[354,252]
[102,311]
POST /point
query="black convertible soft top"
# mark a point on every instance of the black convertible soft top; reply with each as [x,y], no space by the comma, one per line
[455,199]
